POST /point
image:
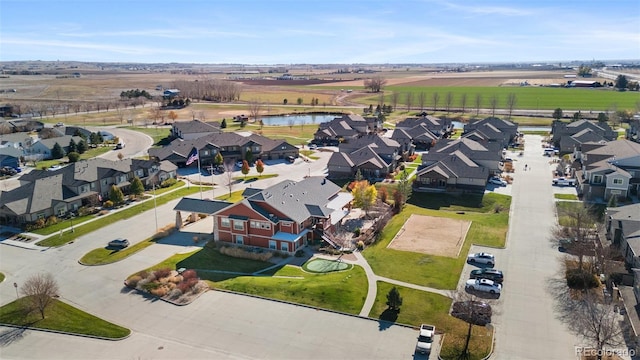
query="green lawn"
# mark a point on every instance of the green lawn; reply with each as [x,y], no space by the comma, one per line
[103,256]
[61,317]
[251,178]
[234,197]
[210,259]
[57,240]
[90,153]
[160,191]
[343,291]
[565,196]
[487,228]
[420,307]
[63,224]
[1,277]
[158,134]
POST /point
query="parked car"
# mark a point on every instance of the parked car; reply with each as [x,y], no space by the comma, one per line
[481,258]
[425,338]
[475,312]
[291,159]
[491,274]
[8,170]
[484,285]
[313,146]
[119,243]
[239,164]
[497,181]
[562,181]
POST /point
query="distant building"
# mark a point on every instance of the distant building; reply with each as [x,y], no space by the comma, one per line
[170,93]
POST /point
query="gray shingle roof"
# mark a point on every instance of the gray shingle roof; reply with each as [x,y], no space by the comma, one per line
[201,206]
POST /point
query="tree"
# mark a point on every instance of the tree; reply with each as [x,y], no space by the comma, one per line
[229,181]
[40,290]
[299,101]
[394,300]
[395,97]
[364,195]
[478,103]
[259,166]
[584,70]
[82,146]
[218,159]
[245,168]
[223,124]
[375,84]
[575,230]
[404,188]
[72,146]
[512,100]
[173,115]
[248,156]
[285,101]
[291,122]
[115,195]
[57,152]
[463,102]
[448,101]
[465,310]
[576,116]
[255,106]
[493,102]
[136,187]
[436,99]
[621,82]
[557,114]
[602,117]
[73,157]
[409,100]
[422,98]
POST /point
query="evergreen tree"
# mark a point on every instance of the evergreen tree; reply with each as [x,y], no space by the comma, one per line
[394,300]
[115,195]
[73,156]
[248,155]
[57,152]
[72,146]
[82,147]
[136,187]
[557,114]
[223,124]
[218,159]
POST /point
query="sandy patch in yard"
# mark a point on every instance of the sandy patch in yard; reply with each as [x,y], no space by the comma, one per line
[431,235]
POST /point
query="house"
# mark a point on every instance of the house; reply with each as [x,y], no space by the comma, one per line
[417,137]
[608,169]
[494,129]
[44,193]
[633,132]
[17,140]
[453,172]
[342,165]
[44,147]
[8,160]
[485,154]
[283,217]
[436,126]
[388,149]
[232,146]
[569,143]
[345,128]
[622,226]
[189,130]
[560,129]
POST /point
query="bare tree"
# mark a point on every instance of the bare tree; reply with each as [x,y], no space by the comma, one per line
[478,103]
[375,84]
[229,167]
[463,102]
[512,100]
[395,97]
[493,102]
[255,106]
[448,101]
[436,99]
[472,310]
[422,98]
[576,231]
[409,100]
[40,289]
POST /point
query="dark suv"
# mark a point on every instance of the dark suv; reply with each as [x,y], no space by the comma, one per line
[485,273]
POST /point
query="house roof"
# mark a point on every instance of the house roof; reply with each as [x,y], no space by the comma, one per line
[196,126]
[382,145]
[35,196]
[201,206]
[618,148]
[457,165]
[471,148]
[298,200]
[63,141]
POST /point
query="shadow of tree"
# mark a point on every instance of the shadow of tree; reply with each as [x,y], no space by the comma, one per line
[10,335]
[387,319]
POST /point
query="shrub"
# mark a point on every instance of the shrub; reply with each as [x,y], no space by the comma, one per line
[183,287]
[189,274]
[175,279]
[162,273]
[159,291]
[356,232]
[168,182]
[149,285]
[581,279]
[299,253]
[174,294]
[143,274]
[360,245]
[199,287]
[133,281]
[51,220]
[238,252]
[108,204]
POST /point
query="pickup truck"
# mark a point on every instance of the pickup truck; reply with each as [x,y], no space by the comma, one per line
[425,338]
[561,181]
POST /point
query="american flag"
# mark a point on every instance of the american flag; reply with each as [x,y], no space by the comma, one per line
[193,156]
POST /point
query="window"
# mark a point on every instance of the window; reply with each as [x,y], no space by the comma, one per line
[238,225]
[239,239]
[597,179]
[617,181]
[205,152]
[286,223]
[284,247]
[224,222]
[273,245]
[256,149]
[260,225]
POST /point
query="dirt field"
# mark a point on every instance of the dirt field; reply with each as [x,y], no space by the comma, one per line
[431,235]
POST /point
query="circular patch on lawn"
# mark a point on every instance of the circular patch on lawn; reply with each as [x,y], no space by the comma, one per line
[324,266]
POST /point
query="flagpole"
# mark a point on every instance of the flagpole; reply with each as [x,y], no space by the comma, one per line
[199,175]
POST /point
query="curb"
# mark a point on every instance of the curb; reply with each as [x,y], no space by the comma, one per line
[67,333]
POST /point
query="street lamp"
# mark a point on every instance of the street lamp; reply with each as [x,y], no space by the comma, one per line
[15,285]
[71,218]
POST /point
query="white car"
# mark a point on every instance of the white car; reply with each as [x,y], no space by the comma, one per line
[481,258]
[313,146]
[425,338]
[497,181]
[484,285]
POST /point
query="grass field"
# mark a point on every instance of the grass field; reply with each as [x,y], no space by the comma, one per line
[61,317]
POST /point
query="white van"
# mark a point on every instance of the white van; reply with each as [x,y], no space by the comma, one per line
[562,181]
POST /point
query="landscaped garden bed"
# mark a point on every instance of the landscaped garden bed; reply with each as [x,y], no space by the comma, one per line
[179,288]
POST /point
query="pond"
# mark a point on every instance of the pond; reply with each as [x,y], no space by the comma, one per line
[298,119]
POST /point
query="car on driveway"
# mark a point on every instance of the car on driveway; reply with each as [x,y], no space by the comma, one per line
[291,159]
[487,273]
[475,312]
[483,285]
[497,181]
[119,243]
[425,338]
[481,258]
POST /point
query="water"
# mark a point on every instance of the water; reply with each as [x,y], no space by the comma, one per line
[298,119]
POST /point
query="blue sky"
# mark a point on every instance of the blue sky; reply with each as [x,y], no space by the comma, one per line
[315,32]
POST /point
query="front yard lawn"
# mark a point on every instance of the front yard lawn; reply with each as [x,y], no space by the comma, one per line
[420,307]
[61,317]
[103,256]
[488,227]
[343,291]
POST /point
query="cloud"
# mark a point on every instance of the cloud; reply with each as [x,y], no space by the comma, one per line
[120,49]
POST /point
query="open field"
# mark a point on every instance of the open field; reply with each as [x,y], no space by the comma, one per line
[431,235]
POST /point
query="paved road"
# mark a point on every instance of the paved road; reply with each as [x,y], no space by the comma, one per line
[526,327]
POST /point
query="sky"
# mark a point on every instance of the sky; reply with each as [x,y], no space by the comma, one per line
[319,32]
